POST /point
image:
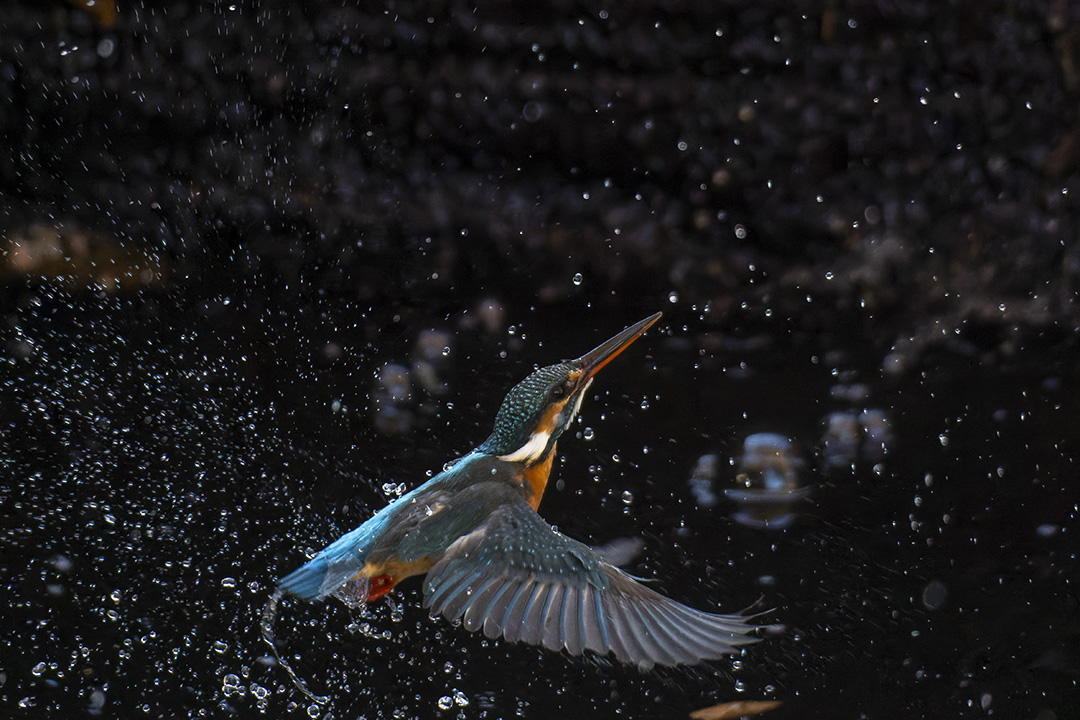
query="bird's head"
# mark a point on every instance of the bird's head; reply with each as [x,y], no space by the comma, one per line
[539,408]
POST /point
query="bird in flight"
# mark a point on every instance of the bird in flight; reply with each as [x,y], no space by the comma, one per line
[490,561]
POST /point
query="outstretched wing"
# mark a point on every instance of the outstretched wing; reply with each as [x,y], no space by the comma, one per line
[516,577]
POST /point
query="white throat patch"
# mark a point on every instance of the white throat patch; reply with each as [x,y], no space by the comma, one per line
[534,447]
[531,450]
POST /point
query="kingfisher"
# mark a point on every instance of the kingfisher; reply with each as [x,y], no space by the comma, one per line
[491,562]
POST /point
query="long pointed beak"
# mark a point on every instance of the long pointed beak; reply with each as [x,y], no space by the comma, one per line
[592,361]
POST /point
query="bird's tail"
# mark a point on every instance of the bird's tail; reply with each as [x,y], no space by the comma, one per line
[306,582]
[336,565]
[269,615]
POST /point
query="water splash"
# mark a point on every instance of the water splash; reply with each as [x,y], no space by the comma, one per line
[269,614]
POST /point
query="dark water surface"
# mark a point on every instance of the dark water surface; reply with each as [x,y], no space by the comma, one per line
[168,457]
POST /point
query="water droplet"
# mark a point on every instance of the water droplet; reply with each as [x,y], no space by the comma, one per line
[627,497]
[587,433]
[446,702]
[934,594]
[230,685]
[532,111]
[228,582]
[461,698]
[397,612]
[673,297]
[578,278]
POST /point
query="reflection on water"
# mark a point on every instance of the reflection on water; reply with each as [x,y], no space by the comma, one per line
[851,436]
[768,479]
[401,395]
[702,479]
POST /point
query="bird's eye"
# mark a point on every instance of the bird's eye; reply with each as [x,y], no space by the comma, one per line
[558,391]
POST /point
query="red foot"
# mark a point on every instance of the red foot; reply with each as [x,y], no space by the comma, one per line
[379,586]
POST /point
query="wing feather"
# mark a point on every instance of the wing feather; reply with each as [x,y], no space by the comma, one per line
[515,577]
[657,642]
[481,610]
[459,601]
[479,604]
[596,634]
[551,633]
[573,634]
[435,597]
[626,636]
[510,625]
[532,624]
[693,647]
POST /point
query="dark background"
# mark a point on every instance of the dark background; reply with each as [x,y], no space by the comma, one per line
[221,222]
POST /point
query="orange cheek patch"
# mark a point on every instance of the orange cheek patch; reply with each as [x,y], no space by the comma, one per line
[547,423]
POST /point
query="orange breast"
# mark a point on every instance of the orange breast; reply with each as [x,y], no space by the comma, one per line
[536,478]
